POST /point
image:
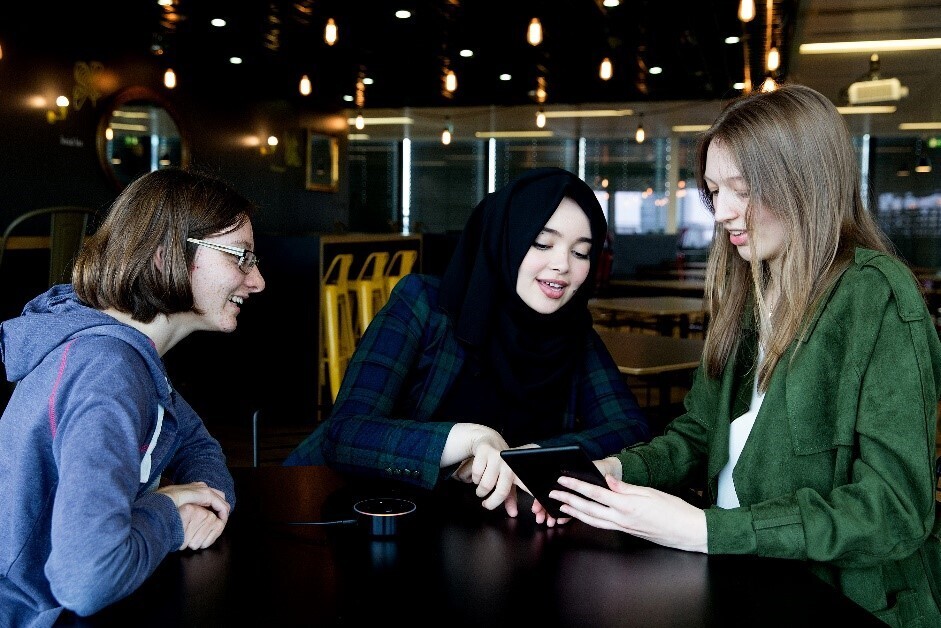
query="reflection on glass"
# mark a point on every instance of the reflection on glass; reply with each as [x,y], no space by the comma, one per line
[144,138]
[139,134]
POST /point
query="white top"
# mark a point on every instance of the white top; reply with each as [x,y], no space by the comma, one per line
[738,435]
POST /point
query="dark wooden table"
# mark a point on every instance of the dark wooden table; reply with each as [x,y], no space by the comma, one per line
[669,313]
[453,564]
[660,361]
[658,287]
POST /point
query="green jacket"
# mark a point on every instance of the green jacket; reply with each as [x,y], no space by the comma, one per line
[839,467]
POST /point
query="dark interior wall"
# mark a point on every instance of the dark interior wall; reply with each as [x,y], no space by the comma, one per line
[45,164]
[53,164]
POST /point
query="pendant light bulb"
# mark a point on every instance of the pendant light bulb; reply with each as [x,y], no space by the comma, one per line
[330,32]
[169,78]
[774,60]
[446,134]
[360,121]
[534,32]
[746,10]
[640,135]
[450,80]
[541,118]
[606,70]
[769,85]
[305,87]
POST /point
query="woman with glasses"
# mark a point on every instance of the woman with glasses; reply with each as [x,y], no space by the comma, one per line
[498,353]
[811,423]
[105,468]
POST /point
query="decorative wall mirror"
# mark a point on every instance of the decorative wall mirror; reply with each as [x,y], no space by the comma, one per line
[323,162]
[138,133]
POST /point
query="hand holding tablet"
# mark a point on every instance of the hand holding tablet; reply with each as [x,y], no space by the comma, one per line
[539,469]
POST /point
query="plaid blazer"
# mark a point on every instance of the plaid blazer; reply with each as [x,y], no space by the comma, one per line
[383,423]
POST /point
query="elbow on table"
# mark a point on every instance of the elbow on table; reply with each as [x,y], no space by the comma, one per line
[84,594]
[82,600]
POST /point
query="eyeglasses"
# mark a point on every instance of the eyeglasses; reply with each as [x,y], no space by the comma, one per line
[247,259]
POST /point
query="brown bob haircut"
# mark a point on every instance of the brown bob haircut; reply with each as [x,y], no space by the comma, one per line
[116,267]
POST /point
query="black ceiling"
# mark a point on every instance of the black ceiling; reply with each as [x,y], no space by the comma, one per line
[280,40]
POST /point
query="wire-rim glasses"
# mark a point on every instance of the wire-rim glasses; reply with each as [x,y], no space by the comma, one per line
[247,259]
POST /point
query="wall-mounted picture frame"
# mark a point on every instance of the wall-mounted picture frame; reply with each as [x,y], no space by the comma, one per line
[323,162]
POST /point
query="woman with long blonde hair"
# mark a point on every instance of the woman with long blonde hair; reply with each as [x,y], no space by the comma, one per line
[811,422]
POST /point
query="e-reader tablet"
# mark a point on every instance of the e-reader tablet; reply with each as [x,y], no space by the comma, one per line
[539,469]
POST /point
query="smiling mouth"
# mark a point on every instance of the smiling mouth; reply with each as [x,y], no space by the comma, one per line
[239,301]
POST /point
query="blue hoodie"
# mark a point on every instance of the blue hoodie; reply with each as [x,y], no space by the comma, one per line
[91,427]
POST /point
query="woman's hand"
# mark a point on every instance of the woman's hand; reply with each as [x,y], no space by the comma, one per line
[198,493]
[543,516]
[203,511]
[478,448]
[643,512]
[201,526]
[608,466]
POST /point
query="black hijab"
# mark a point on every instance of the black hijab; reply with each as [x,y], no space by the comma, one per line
[529,357]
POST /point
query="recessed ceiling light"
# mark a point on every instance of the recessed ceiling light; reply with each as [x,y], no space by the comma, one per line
[376,121]
[217,21]
[732,40]
[867,109]
[235,60]
[884,45]
[403,14]
[590,113]
[467,53]
[656,69]
[367,81]
[510,134]
[348,98]
[612,3]
[920,126]
[505,77]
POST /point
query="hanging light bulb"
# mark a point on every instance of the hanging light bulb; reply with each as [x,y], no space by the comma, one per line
[450,80]
[541,92]
[304,87]
[769,85]
[746,10]
[169,78]
[360,121]
[640,136]
[606,70]
[774,60]
[541,118]
[330,32]
[534,32]
[446,133]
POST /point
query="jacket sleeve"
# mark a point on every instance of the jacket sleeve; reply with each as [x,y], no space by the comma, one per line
[608,417]
[106,540]
[199,457]
[669,460]
[881,422]
[366,434]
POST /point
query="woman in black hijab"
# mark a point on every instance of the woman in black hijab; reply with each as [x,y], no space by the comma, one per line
[500,352]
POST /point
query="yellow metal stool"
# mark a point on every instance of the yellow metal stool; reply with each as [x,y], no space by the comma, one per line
[369,290]
[337,330]
[400,265]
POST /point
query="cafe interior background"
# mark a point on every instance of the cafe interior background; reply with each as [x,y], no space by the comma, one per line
[398,127]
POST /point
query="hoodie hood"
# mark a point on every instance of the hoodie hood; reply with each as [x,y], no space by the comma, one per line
[57,316]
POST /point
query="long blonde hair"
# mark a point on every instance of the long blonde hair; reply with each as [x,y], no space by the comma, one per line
[794,153]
